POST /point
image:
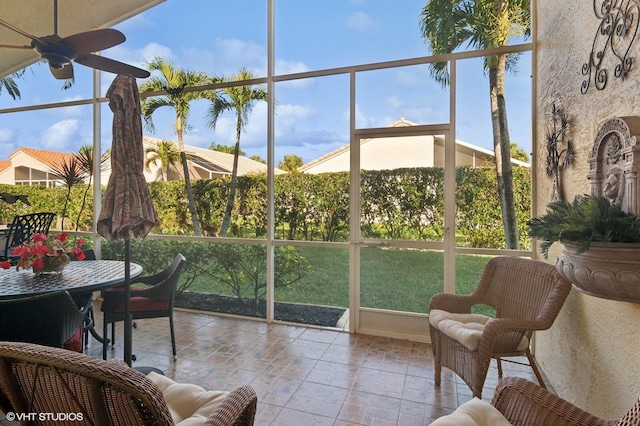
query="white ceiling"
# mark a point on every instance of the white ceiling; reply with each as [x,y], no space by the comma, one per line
[74,16]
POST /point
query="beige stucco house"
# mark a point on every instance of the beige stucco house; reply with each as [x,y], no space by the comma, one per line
[385,153]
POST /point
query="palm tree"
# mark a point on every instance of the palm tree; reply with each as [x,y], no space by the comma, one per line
[10,85]
[85,161]
[448,25]
[173,81]
[164,154]
[239,99]
[70,172]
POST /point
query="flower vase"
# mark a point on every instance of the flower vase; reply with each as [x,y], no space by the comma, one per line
[50,268]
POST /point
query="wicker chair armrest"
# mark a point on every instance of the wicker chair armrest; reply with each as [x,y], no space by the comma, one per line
[525,403]
[501,325]
[238,408]
[502,335]
[455,303]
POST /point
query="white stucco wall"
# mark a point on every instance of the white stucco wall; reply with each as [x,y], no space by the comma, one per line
[591,354]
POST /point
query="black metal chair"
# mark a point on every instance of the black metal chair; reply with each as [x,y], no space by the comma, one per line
[22,229]
[50,319]
[153,301]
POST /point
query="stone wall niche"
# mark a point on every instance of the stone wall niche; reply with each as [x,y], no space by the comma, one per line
[610,270]
[614,162]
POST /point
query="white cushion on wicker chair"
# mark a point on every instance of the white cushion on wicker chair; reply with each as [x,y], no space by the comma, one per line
[188,404]
[464,328]
[475,412]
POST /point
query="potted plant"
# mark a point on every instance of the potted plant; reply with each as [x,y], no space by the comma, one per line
[44,254]
[601,253]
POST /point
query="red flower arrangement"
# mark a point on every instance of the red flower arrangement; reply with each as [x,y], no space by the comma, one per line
[43,252]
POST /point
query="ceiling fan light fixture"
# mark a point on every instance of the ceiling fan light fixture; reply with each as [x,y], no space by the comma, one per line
[56,60]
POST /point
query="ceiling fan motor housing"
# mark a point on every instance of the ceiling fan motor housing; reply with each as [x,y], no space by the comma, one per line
[55,52]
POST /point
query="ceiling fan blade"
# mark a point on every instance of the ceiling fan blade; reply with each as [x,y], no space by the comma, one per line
[19,31]
[94,41]
[11,46]
[64,73]
[110,65]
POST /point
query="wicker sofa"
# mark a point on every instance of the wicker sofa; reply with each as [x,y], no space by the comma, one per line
[524,403]
[41,379]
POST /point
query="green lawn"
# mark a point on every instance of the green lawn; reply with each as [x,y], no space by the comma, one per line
[393,279]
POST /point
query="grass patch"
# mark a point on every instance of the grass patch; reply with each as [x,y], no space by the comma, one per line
[395,279]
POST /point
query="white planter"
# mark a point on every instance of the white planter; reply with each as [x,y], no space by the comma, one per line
[606,270]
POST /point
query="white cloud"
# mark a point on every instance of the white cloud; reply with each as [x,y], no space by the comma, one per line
[360,21]
[289,115]
[393,102]
[196,59]
[362,121]
[234,53]
[149,51]
[290,67]
[7,135]
[60,135]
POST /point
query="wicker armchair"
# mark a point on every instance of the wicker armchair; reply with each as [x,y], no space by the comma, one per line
[41,379]
[524,403]
[153,301]
[527,296]
[519,402]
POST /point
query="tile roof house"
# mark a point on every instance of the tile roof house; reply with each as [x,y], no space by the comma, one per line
[29,166]
[206,163]
[394,152]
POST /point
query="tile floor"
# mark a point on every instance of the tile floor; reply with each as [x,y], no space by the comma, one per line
[304,376]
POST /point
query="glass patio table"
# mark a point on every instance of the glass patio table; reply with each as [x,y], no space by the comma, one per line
[78,277]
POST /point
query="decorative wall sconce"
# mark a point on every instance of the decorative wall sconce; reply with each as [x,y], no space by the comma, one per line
[615,35]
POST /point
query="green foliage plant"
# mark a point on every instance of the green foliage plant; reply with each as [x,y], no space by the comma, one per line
[71,172]
[242,268]
[587,219]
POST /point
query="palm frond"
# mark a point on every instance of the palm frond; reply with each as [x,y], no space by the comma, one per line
[587,219]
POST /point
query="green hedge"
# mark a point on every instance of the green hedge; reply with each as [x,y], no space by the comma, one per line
[396,204]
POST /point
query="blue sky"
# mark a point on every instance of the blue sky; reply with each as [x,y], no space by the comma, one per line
[312,116]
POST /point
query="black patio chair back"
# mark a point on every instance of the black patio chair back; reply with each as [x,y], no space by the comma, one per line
[49,319]
[23,228]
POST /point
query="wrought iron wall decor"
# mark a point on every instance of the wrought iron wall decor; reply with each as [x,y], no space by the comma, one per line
[614,38]
[560,149]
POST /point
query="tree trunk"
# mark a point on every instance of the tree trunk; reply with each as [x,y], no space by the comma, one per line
[502,150]
[187,180]
[226,220]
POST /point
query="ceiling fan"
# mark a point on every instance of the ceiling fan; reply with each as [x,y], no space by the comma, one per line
[60,52]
